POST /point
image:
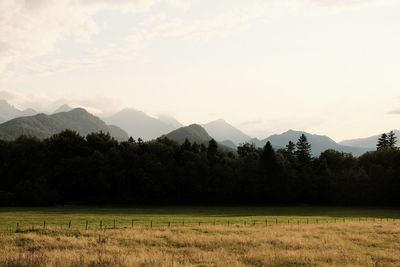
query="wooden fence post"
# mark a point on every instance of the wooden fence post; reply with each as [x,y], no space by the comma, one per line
[114,224]
[87,224]
[69,225]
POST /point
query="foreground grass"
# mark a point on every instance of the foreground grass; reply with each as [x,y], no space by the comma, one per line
[327,244]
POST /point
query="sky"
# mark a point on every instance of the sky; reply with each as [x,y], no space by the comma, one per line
[328,67]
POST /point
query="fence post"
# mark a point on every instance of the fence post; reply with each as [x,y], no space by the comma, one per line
[169,224]
[307,220]
[69,225]
[44,225]
[228,223]
[276,220]
[132,223]
[114,224]
[17,227]
[151,224]
[183,222]
[214,222]
[86,227]
[101,224]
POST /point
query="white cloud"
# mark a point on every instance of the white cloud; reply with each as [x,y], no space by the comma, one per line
[29,29]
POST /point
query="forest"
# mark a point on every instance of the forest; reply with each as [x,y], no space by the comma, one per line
[96,169]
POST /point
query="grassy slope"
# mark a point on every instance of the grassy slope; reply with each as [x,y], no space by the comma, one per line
[57,216]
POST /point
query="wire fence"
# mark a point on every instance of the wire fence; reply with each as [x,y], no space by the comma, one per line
[23,226]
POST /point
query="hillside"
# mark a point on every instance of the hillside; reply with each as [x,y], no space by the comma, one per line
[368,142]
[221,130]
[193,132]
[43,126]
[319,143]
[138,124]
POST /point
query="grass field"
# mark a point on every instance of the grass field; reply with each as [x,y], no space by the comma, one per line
[61,217]
[333,237]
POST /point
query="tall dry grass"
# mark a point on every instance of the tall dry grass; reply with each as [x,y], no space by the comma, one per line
[342,244]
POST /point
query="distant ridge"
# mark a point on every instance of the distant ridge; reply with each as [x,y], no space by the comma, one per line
[8,112]
[368,142]
[138,124]
[63,108]
[43,126]
[221,131]
[319,143]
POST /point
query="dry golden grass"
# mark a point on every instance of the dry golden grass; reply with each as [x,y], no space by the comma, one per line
[341,244]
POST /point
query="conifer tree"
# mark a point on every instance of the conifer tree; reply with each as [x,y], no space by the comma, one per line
[290,147]
[383,142]
[303,149]
[392,139]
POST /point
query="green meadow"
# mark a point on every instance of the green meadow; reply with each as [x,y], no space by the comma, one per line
[124,217]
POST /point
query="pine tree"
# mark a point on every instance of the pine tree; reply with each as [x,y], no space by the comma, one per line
[303,149]
[392,139]
[290,147]
[383,142]
[268,156]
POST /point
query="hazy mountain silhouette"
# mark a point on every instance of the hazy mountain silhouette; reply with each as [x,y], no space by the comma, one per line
[43,126]
[170,121]
[221,130]
[63,108]
[8,112]
[319,143]
[229,143]
[138,124]
[368,142]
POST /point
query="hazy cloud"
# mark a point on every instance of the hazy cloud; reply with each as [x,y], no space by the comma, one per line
[251,122]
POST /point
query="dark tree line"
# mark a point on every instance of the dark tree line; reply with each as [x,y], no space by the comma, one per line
[70,169]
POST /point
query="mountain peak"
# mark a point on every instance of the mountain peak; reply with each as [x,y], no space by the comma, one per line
[63,108]
[222,130]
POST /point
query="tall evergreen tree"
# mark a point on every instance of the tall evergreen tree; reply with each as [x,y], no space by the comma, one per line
[392,139]
[268,156]
[303,149]
[383,142]
[291,147]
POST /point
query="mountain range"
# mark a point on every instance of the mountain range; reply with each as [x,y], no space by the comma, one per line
[319,143]
[14,122]
[43,126]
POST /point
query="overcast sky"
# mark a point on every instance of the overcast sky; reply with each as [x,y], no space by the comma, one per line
[324,66]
